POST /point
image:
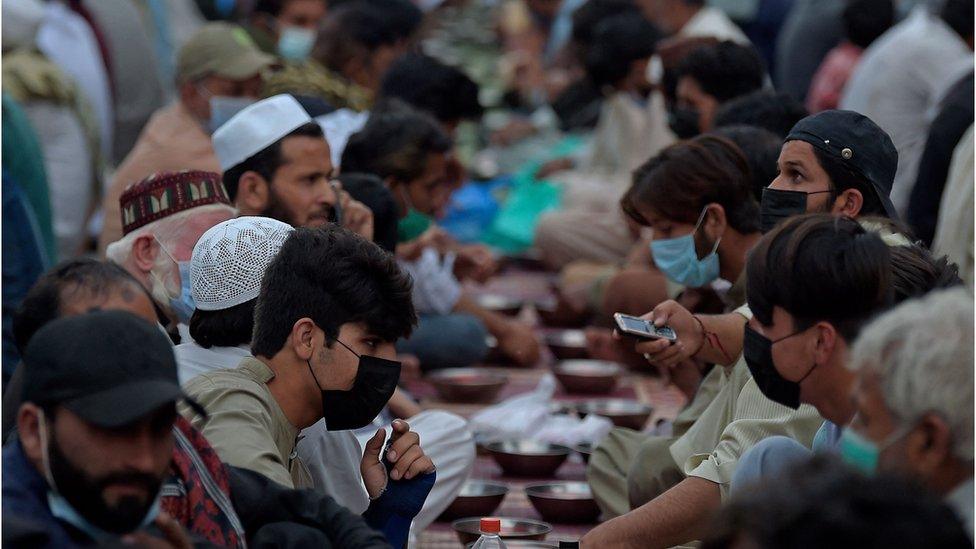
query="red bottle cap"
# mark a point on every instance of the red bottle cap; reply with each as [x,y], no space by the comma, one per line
[491,526]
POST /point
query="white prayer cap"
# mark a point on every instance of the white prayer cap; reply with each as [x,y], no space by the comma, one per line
[229,260]
[256,127]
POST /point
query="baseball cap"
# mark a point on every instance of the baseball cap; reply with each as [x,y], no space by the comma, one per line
[222,49]
[163,194]
[857,143]
[111,368]
[230,258]
[256,127]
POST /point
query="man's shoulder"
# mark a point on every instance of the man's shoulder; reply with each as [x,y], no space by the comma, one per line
[238,384]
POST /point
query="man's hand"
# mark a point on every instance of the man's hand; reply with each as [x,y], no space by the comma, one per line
[662,353]
[355,215]
[404,453]
[174,536]
[554,166]
[519,344]
[475,261]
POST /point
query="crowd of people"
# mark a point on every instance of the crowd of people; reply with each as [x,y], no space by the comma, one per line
[232,228]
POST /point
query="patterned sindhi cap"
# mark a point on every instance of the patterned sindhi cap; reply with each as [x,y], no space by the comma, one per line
[164,194]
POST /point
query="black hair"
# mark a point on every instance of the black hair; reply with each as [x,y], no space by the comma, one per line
[683,178]
[273,7]
[866,20]
[84,278]
[820,267]
[355,29]
[916,272]
[587,17]
[266,161]
[433,87]
[332,276]
[395,143]
[618,41]
[958,14]
[369,189]
[224,328]
[776,112]
[843,178]
[761,148]
[821,502]
[400,17]
[724,70]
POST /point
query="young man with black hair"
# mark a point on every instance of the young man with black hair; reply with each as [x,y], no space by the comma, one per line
[776,112]
[276,164]
[433,87]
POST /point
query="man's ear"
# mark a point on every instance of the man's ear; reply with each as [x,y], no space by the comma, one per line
[144,252]
[849,203]
[302,338]
[930,445]
[715,221]
[28,417]
[253,193]
[826,343]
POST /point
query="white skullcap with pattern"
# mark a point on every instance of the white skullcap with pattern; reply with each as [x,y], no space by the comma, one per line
[229,260]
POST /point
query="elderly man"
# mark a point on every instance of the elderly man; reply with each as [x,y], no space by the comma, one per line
[218,70]
[276,163]
[914,397]
[162,218]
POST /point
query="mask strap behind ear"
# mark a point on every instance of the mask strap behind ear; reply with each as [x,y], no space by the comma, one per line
[45,449]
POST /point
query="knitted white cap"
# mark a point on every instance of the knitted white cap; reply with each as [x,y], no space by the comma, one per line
[256,127]
[229,260]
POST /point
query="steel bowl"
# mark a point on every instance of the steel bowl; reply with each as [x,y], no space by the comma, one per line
[622,412]
[519,544]
[476,499]
[594,377]
[501,304]
[568,344]
[469,529]
[584,449]
[474,385]
[569,502]
[528,458]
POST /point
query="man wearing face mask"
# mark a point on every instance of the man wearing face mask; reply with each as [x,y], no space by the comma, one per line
[286,27]
[219,71]
[914,397]
[162,218]
[277,163]
[95,433]
[331,307]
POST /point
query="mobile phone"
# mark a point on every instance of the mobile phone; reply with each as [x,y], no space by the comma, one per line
[642,329]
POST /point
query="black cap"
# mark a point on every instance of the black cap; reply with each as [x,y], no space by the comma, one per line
[111,368]
[857,143]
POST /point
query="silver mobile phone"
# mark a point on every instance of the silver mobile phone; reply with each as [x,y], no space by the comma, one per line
[642,329]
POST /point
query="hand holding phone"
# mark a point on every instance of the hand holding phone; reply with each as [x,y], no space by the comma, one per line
[642,329]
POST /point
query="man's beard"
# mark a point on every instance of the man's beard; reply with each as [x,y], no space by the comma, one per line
[85,494]
[279,210]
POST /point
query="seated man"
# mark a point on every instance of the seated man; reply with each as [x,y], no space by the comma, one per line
[409,151]
[330,309]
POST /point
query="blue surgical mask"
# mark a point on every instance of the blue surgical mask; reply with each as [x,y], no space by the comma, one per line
[678,260]
[861,453]
[295,43]
[64,511]
[182,305]
[223,108]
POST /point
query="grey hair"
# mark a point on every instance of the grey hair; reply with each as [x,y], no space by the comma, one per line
[167,230]
[922,351]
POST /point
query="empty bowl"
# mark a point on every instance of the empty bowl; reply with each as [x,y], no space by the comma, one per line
[500,304]
[519,544]
[584,449]
[567,344]
[473,385]
[568,502]
[528,458]
[594,377]
[622,412]
[469,529]
[476,499]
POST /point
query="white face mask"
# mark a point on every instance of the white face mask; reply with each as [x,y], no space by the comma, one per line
[295,43]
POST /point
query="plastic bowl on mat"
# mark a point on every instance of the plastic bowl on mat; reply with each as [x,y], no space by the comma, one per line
[476,498]
[569,502]
[567,344]
[469,529]
[528,458]
[508,306]
[594,377]
[467,385]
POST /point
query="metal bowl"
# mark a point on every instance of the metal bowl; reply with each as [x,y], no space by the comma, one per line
[584,449]
[594,377]
[568,502]
[528,458]
[519,544]
[501,304]
[568,344]
[476,499]
[622,412]
[469,529]
[473,385]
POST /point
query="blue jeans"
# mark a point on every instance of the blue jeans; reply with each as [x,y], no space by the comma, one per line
[446,341]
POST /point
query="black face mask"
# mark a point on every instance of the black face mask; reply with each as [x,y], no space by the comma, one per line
[778,205]
[757,349]
[375,382]
[684,122]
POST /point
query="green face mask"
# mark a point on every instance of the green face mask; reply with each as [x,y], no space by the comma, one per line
[412,226]
[862,453]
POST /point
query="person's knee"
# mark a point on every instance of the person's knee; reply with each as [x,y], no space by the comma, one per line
[445,341]
[634,292]
[469,338]
[767,458]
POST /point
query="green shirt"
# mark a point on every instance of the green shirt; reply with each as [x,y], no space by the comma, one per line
[246,426]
